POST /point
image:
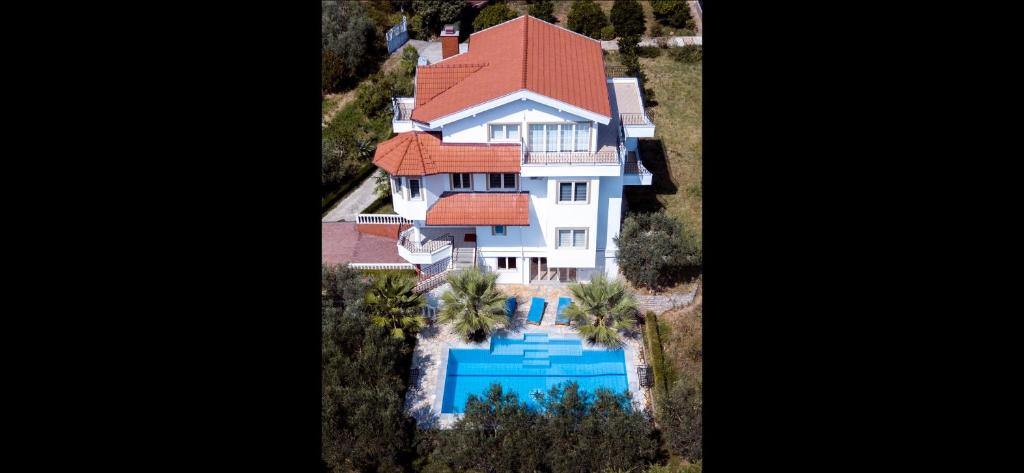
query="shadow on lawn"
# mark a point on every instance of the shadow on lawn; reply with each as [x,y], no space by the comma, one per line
[645,198]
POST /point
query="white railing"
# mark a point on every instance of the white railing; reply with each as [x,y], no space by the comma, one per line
[431,282]
[402,107]
[429,245]
[634,119]
[382,219]
[381,266]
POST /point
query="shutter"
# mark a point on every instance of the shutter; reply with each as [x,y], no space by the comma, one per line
[581,192]
[564,238]
[579,239]
[565,192]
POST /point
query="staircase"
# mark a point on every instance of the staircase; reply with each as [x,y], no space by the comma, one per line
[464,258]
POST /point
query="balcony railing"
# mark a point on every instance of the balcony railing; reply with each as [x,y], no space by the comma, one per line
[402,108]
[634,119]
[605,155]
[427,245]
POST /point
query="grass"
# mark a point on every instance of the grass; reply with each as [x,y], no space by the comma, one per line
[682,341]
[675,154]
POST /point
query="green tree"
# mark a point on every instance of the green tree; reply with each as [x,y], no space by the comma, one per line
[433,14]
[351,45]
[672,13]
[491,15]
[586,18]
[656,249]
[474,306]
[543,9]
[363,427]
[382,184]
[602,308]
[394,306]
[410,58]
[628,18]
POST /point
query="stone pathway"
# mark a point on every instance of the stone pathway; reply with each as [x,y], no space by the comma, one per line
[352,204]
[661,304]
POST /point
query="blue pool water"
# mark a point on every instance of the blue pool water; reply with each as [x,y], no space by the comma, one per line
[528,365]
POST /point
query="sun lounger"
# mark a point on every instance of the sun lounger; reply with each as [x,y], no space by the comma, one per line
[510,306]
[560,318]
[536,311]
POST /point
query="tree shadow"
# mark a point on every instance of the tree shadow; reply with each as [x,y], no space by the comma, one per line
[645,198]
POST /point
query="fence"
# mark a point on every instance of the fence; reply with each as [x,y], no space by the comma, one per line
[397,36]
[381,266]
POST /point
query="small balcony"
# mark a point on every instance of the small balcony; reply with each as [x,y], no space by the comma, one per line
[417,248]
[633,171]
[402,109]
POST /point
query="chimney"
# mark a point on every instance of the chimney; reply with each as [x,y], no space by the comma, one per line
[449,41]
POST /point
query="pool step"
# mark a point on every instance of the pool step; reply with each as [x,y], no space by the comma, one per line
[535,338]
[545,363]
[535,354]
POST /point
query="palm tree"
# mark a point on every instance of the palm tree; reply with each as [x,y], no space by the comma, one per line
[393,304]
[601,309]
[473,306]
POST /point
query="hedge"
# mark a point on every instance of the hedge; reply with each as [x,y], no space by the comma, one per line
[657,361]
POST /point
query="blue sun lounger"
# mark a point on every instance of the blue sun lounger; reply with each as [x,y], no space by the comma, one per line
[510,306]
[560,317]
[536,311]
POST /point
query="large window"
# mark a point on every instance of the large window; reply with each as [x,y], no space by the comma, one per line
[572,192]
[507,263]
[572,238]
[462,181]
[563,137]
[501,181]
[506,132]
[415,193]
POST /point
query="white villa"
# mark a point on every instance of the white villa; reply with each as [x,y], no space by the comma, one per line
[512,156]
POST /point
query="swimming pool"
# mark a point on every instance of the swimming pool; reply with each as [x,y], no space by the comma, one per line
[533,363]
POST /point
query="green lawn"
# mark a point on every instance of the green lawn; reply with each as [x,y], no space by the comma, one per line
[383,205]
[675,153]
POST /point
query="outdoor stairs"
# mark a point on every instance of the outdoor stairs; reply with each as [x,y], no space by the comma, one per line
[464,258]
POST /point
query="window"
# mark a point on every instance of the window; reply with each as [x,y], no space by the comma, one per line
[507,263]
[572,238]
[396,185]
[501,181]
[563,137]
[499,230]
[414,189]
[505,132]
[462,181]
[572,192]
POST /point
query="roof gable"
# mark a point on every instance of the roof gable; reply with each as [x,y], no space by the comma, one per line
[521,54]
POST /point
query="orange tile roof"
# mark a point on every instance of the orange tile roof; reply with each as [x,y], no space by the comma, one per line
[524,53]
[416,153]
[480,208]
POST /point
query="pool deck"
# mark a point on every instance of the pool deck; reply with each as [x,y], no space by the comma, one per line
[433,343]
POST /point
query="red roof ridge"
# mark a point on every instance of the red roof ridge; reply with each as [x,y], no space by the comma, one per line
[526,42]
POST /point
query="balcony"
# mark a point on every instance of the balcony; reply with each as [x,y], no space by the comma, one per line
[606,161]
[402,108]
[628,103]
[633,171]
[417,248]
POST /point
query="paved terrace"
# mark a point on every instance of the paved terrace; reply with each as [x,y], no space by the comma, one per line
[431,354]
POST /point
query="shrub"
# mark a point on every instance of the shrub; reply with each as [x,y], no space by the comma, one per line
[410,57]
[672,12]
[656,30]
[655,249]
[543,9]
[649,52]
[350,45]
[657,362]
[680,416]
[434,14]
[491,15]
[628,18]
[586,18]
[373,97]
[687,53]
[607,33]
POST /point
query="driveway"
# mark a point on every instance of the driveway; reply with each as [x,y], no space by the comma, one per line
[353,203]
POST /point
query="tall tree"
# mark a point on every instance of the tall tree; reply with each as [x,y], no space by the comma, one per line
[656,249]
[543,9]
[602,308]
[672,13]
[351,45]
[628,18]
[394,306]
[586,18]
[436,13]
[491,15]
[474,306]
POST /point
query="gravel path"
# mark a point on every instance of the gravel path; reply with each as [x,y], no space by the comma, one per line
[353,203]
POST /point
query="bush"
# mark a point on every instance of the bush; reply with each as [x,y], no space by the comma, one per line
[543,9]
[373,97]
[657,31]
[656,250]
[672,13]
[434,14]
[410,57]
[649,52]
[628,18]
[680,415]
[491,15]
[607,33]
[657,362]
[587,18]
[687,53]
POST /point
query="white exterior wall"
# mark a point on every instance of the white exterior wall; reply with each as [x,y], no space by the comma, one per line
[474,129]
